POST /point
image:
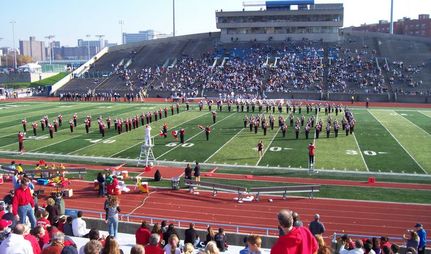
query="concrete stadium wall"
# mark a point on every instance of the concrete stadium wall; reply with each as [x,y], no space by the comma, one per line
[39,76]
[227,38]
[163,40]
[385,36]
[15,77]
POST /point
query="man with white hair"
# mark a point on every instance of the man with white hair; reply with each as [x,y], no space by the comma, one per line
[316,227]
[153,245]
[15,243]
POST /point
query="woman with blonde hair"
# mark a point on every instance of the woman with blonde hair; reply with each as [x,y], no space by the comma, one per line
[172,246]
[52,210]
[188,248]
[211,248]
[111,246]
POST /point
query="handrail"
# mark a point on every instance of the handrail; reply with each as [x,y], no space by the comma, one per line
[179,222]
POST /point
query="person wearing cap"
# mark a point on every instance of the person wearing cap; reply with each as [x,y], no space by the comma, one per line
[422,238]
[23,203]
[4,229]
[15,243]
[316,227]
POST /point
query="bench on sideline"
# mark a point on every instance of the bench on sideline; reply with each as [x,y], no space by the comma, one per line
[215,187]
[310,189]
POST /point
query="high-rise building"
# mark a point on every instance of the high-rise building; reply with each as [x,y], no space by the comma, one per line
[34,49]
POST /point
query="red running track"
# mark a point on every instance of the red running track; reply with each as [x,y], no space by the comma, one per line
[354,217]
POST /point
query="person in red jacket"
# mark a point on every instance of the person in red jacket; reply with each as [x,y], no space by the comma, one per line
[311,149]
[32,239]
[143,234]
[293,240]
[23,203]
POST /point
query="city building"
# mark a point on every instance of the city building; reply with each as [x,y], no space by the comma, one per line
[407,26]
[34,49]
[282,20]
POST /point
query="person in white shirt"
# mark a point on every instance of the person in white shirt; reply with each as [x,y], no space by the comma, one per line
[79,226]
[15,243]
[357,250]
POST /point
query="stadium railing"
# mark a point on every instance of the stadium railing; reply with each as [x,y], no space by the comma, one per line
[310,189]
[181,223]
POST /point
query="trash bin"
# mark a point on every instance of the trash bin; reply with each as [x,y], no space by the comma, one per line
[175,182]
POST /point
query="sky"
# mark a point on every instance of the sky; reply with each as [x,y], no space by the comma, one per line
[70,20]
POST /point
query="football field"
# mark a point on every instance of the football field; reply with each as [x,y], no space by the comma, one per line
[385,140]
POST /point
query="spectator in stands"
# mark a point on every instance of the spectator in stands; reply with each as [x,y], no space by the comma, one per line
[143,234]
[344,240]
[170,231]
[396,249]
[93,247]
[32,239]
[111,246]
[23,203]
[220,239]
[316,227]
[412,239]
[59,204]
[254,243]
[357,250]
[153,246]
[15,242]
[79,226]
[191,235]
[94,234]
[172,246]
[67,228]
[188,249]
[211,248]
[422,238]
[9,197]
[296,220]
[56,245]
[323,249]
[4,229]
[376,245]
[210,235]
[164,226]
[384,241]
[294,240]
[386,250]
[157,230]
[112,209]
[137,249]
[52,210]
[368,248]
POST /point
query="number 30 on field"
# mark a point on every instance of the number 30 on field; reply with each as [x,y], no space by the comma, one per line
[173,144]
[94,141]
[366,152]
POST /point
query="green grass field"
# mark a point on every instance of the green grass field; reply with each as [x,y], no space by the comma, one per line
[385,140]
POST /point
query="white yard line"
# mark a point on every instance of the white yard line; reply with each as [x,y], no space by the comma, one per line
[267,147]
[399,143]
[175,147]
[224,145]
[360,151]
[420,128]
[424,113]
[116,153]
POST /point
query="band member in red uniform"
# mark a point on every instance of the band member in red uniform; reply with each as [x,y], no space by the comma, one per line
[102,129]
[119,126]
[51,130]
[297,131]
[71,125]
[75,119]
[178,108]
[160,113]
[126,122]
[34,125]
[264,127]
[165,130]
[108,122]
[87,126]
[130,124]
[328,130]
[89,120]
[260,148]
[24,124]
[20,142]
[283,130]
[182,134]
[166,112]
[45,118]
[207,132]
[187,106]
[60,119]
[311,150]
[55,124]
[214,116]
[42,124]
[172,110]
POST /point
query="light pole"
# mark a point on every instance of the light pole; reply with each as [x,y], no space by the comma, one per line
[391,25]
[50,37]
[88,45]
[173,18]
[100,36]
[2,52]
[13,22]
[121,22]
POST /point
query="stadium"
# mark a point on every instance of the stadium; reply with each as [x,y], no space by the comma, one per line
[283,131]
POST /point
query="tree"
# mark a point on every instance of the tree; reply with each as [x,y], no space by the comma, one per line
[22,59]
